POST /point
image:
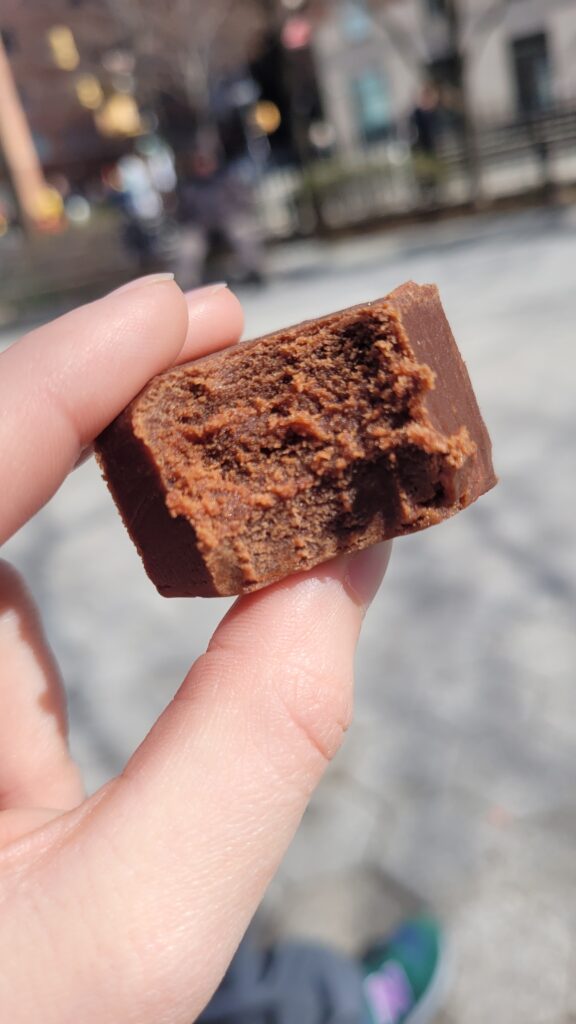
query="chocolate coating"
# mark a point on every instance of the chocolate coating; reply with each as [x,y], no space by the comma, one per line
[270,457]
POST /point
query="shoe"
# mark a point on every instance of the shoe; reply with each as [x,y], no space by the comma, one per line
[404,977]
[396,982]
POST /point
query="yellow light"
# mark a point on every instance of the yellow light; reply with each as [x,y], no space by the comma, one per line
[48,209]
[63,46]
[266,117]
[119,116]
[49,203]
[89,92]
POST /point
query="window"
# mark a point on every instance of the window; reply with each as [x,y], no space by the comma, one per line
[63,47]
[374,109]
[533,73]
[356,21]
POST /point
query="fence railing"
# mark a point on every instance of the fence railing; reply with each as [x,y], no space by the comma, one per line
[555,129]
[383,178]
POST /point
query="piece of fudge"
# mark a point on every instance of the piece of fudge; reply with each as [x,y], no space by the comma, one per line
[270,457]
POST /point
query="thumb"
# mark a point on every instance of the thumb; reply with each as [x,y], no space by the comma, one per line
[156,882]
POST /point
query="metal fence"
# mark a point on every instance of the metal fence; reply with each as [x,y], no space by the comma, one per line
[384,180]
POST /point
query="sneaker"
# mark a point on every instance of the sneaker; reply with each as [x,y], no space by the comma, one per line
[404,976]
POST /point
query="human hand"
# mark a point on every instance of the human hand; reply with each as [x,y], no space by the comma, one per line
[128,906]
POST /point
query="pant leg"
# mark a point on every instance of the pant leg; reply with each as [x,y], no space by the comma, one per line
[243,235]
[192,250]
[291,983]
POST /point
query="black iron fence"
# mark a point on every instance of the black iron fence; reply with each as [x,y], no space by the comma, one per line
[388,179]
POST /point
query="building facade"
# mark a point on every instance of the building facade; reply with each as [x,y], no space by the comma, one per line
[57,53]
[525,61]
[372,58]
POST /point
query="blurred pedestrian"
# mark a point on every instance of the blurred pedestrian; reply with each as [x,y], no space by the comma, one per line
[141,206]
[426,127]
[215,206]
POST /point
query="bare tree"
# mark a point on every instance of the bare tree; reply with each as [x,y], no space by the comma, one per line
[468,25]
[182,45]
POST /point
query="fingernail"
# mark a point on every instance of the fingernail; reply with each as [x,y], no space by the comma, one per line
[365,572]
[207,291]
[85,454]
[144,282]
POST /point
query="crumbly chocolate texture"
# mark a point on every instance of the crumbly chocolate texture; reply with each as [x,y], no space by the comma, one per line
[270,457]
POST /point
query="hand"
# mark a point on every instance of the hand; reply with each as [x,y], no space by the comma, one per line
[128,906]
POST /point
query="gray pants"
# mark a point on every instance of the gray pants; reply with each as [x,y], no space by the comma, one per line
[240,233]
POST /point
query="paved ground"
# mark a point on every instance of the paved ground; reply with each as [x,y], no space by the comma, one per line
[457,784]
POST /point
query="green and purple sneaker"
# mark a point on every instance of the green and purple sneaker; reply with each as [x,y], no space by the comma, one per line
[404,977]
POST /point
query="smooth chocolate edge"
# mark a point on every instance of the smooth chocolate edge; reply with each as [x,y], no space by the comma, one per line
[165,544]
[452,403]
[157,535]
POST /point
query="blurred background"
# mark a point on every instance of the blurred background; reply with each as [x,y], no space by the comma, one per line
[317,154]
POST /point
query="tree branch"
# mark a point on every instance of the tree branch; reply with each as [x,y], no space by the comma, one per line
[399,37]
[484,23]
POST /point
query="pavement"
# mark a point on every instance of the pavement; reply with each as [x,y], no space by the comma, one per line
[456,786]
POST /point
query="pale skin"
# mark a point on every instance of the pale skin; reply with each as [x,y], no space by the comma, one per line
[126,907]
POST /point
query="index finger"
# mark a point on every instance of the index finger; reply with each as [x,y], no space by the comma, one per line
[63,383]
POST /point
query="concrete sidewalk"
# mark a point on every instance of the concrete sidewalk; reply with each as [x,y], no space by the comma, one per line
[456,786]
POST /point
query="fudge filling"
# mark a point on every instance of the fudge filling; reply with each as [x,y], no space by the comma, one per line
[294,451]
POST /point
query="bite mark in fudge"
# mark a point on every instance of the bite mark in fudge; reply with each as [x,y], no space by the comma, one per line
[275,455]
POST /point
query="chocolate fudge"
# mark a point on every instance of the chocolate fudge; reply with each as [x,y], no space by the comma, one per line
[270,457]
